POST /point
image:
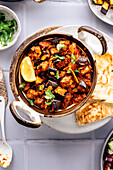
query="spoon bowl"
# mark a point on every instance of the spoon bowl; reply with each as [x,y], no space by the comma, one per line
[5,149]
[5,155]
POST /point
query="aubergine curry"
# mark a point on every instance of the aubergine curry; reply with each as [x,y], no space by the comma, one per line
[63,74]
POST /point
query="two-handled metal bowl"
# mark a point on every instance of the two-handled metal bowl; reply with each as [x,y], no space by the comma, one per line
[22,103]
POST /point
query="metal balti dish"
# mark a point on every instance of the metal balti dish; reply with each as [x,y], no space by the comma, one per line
[104,149]
[32,111]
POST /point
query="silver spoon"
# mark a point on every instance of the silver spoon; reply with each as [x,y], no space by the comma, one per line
[5,149]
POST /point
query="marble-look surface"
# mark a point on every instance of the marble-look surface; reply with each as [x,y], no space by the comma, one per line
[45,148]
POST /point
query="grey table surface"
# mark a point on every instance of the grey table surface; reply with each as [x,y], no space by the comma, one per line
[45,148]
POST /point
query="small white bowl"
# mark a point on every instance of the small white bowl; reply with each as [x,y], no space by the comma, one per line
[103,149]
[9,15]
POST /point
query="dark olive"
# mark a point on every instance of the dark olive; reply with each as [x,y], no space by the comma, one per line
[83,84]
[35,62]
[55,40]
[52,83]
[56,104]
[82,60]
[44,52]
[50,71]
[56,61]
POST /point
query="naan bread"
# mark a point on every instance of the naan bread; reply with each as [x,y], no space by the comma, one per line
[94,110]
[104,86]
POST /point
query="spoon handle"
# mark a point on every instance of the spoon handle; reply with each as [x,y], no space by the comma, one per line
[2,112]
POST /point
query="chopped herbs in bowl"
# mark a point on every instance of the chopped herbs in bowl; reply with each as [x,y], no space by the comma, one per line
[9,27]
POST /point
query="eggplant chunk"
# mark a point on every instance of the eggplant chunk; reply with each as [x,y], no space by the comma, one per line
[98,2]
[52,72]
[82,87]
[55,40]
[82,60]
[53,84]
[105,7]
[56,104]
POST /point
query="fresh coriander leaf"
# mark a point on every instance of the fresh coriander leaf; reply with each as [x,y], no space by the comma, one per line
[41,87]
[15,24]
[11,37]
[5,35]
[3,41]
[31,102]
[48,103]
[73,59]
[49,94]
[1,25]
[57,75]
[52,57]
[76,70]
[68,71]
[58,60]
[60,46]
[22,86]
[60,57]
[111,70]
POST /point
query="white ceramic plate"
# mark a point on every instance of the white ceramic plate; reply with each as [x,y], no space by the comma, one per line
[108,18]
[68,123]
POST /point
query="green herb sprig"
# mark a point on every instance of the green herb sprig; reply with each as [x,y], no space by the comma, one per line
[57,75]
[49,94]
[7,29]
[31,102]
[73,59]
[60,46]
[49,103]
[22,86]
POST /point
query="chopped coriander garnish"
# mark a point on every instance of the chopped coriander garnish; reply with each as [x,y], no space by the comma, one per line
[60,46]
[49,94]
[60,57]
[7,29]
[48,103]
[22,86]
[58,60]
[111,70]
[57,75]
[41,87]
[68,71]
[31,102]
[76,70]
[73,59]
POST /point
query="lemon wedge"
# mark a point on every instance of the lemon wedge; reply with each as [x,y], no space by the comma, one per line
[27,70]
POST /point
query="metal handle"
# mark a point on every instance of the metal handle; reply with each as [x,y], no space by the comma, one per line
[97,34]
[39,1]
[34,116]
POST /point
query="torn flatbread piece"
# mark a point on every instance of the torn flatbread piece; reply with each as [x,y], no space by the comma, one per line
[92,111]
[100,104]
[104,86]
